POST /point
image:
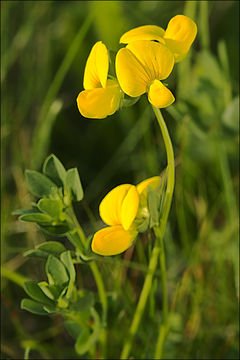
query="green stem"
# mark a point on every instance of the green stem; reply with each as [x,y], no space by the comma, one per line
[142,301]
[158,251]
[96,273]
[160,231]
[80,241]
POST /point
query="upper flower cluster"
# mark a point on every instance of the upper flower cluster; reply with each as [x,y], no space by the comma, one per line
[140,67]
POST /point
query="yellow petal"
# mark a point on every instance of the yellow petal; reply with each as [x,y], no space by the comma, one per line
[112,240]
[179,36]
[159,95]
[146,32]
[96,69]
[99,103]
[110,206]
[131,75]
[156,58]
[153,182]
[129,207]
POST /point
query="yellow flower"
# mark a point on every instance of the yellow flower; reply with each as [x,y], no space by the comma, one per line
[119,209]
[140,66]
[101,96]
[178,37]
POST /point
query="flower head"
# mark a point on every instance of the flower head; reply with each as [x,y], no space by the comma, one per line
[178,37]
[101,96]
[141,66]
[119,209]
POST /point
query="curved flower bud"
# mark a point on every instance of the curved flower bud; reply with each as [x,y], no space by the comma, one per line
[101,96]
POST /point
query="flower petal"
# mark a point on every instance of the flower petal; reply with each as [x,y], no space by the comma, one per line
[99,103]
[110,206]
[156,58]
[146,32]
[131,75]
[129,207]
[112,240]
[179,36]
[159,95]
[153,182]
[96,69]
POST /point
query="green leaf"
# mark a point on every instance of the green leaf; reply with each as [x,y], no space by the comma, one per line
[51,309]
[49,290]
[82,344]
[51,207]
[51,247]
[230,117]
[55,230]
[73,328]
[85,341]
[36,217]
[24,211]
[74,184]
[34,291]
[33,307]
[67,261]
[153,198]
[36,253]
[84,302]
[55,170]
[56,271]
[39,185]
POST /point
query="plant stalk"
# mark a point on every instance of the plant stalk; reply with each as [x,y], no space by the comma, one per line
[158,251]
[160,231]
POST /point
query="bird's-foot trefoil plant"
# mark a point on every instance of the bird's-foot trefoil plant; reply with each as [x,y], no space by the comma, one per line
[111,81]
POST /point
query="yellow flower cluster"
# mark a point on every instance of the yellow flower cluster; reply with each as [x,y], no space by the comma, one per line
[147,59]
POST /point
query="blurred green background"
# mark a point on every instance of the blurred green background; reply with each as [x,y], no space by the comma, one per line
[44,47]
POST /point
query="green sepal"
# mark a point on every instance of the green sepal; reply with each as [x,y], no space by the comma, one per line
[55,170]
[36,217]
[51,207]
[56,271]
[36,293]
[128,101]
[33,307]
[143,226]
[73,183]
[39,184]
